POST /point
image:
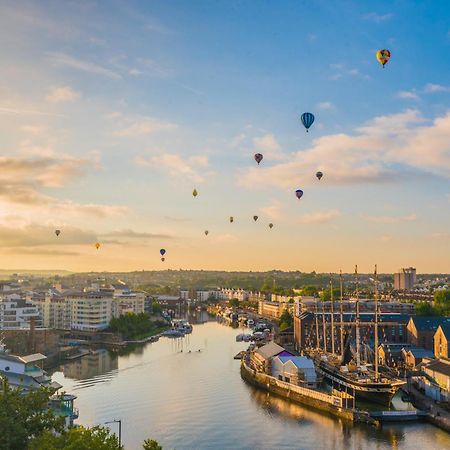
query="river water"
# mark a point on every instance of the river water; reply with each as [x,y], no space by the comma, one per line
[190,399]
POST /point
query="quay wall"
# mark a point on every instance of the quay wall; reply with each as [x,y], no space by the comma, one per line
[308,397]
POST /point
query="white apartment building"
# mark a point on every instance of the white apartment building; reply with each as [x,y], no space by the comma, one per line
[16,313]
[53,309]
[228,294]
[128,302]
[89,311]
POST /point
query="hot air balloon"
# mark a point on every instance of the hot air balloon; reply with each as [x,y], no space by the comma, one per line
[57,232]
[258,157]
[162,251]
[231,219]
[383,56]
[307,120]
[270,225]
[163,259]
[299,193]
[206,232]
[195,193]
[255,218]
[319,175]
[97,245]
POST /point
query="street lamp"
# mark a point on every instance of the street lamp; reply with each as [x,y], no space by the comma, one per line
[119,421]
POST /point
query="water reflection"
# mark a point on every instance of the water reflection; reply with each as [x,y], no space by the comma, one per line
[98,362]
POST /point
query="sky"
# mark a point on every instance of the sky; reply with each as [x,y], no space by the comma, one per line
[111,113]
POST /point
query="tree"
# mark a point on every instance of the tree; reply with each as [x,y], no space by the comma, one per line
[234,302]
[424,309]
[442,302]
[150,444]
[326,294]
[156,308]
[77,438]
[24,416]
[309,290]
[286,320]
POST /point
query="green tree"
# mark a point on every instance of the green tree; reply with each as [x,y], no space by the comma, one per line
[24,416]
[234,302]
[286,320]
[325,295]
[442,302]
[156,308]
[150,444]
[424,309]
[77,438]
[309,290]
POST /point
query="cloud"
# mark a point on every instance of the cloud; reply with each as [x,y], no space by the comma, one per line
[325,106]
[36,235]
[319,217]
[391,219]
[61,59]
[177,219]
[274,210]
[131,234]
[62,94]
[382,150]
[22,112]
[40,252]
[227,237]
[144,126]
[408,95]
[431,88]
[153,68]
[341,70]
[22,179]
[377,18]
[440,236]
[268,146]
[385,238]
[193,168]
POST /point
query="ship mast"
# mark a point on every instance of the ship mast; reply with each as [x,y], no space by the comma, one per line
[358,340]
[332,314]
[342,314]
[324,329]
[317,326]
[376,324]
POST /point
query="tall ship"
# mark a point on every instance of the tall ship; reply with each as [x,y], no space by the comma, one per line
[346,370]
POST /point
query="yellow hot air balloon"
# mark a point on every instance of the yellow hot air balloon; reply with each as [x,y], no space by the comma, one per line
[383,56]
[97,245]
[195,193]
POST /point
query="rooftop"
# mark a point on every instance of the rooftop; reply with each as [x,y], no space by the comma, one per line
[430,323]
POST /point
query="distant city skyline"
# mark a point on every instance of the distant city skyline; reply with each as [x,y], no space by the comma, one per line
[111,114]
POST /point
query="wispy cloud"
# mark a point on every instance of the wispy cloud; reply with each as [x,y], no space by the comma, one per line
[63,60]
[440,236]
[319,217]
[377,18]
[269,146]
[144,126]
[273,211]
[391,219]
[376,152]
[226,237]
[131,234]
[408,95]
[325,106]
[193,168]
[62,94]
[25,112]
[385,238]
[431,88]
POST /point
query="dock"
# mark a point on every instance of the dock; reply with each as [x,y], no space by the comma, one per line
[398,416]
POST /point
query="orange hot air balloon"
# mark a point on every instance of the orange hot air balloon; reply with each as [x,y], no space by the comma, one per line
[97,245]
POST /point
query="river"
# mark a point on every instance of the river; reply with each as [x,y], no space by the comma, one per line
[190,399]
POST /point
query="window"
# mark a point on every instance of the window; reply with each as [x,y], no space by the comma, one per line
[280,377]
[287,379]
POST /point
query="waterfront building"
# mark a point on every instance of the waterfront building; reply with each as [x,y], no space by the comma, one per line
[391,354]
[298,370]
[436,382]
[26,373]
[414,356]
[274,309]
[16,313]
[262,357]
[229,294]
[169,300]
[421,330]
[405,279]
[52,308]
[127,303]
[442,341]
[90,311]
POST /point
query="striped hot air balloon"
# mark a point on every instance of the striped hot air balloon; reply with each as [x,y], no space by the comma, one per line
[307,119]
